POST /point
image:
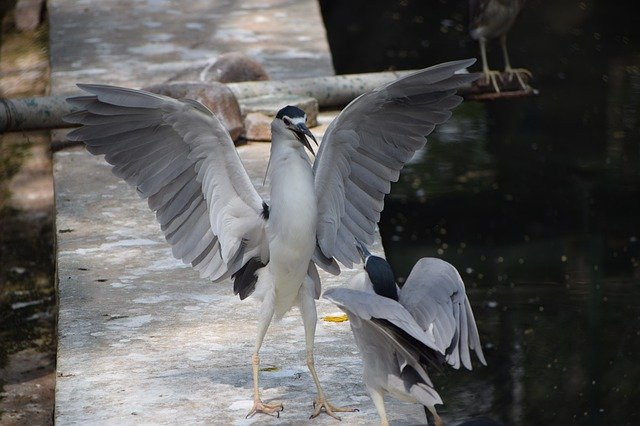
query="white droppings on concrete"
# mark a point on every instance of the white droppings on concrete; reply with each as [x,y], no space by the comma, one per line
[166,262]
[238,34]
[194,26]
[151,49]
[294,372]
[151,300]
[159,37]
[130,322]
[136,242]
[204,298]
[192,308]
[243,404]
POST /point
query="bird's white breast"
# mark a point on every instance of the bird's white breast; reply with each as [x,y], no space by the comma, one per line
[292,221]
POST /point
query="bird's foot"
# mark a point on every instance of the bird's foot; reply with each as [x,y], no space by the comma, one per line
[321,404]
[492,77]
[261,407]
[521,74]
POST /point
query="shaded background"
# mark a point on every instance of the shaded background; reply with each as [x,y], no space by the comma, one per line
[536,201]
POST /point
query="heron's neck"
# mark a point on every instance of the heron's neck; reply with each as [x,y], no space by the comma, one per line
[292,189]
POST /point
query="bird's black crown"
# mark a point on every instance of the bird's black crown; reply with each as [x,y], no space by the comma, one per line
[291,112]
[381,276]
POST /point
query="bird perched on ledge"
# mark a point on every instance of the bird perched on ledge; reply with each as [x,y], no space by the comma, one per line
[402,331]
[180,158]
[489,19]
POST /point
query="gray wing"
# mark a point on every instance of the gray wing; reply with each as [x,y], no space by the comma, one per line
[435,296]
[378,324]
[181,159]
[365,147]
[370,306]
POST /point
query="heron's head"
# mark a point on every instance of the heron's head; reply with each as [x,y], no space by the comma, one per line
[295,120]
[380,274]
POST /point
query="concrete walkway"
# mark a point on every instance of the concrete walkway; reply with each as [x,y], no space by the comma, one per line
[142,339]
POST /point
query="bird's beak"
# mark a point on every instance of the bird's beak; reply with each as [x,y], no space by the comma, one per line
[303,131]
[362,250]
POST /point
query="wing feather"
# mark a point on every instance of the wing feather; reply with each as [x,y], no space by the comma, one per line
[367,145]
[434,295]
[178,156]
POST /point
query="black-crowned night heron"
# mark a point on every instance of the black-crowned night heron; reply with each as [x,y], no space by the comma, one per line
[179,157]
[489,19]
[401,331]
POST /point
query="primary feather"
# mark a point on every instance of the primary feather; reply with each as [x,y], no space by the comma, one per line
[367,145]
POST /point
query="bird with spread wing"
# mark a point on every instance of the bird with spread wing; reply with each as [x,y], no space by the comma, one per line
[402,332]
[179,157]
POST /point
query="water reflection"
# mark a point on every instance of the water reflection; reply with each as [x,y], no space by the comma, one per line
[536,201]
[546,237]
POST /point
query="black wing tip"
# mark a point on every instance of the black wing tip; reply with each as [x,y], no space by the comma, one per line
[265,211]
[245,278]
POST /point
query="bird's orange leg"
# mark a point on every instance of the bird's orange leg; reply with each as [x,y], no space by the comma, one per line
[258,405]
[309,318]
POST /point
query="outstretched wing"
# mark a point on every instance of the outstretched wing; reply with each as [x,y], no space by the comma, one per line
[434,294]
[380,324]
[181,159]
[365,147]
[379,310]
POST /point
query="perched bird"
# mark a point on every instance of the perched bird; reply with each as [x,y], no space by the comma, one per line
[489,19]
[181,159]
[402,331]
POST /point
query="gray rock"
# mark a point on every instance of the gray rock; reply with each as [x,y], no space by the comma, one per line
[258,126]
[234,67]
[231,67]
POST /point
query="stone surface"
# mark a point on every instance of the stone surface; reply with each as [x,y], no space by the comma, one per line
[258,126]
[215,96]
[138,43]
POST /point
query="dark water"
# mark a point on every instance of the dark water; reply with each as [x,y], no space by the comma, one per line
[536,201]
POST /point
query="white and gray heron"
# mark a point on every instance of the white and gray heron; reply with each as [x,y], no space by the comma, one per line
[181,159]
[489,19]
[402,331]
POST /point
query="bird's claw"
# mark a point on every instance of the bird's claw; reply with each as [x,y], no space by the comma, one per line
[492,77]
[330,409]
[261,407]
[518,73]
